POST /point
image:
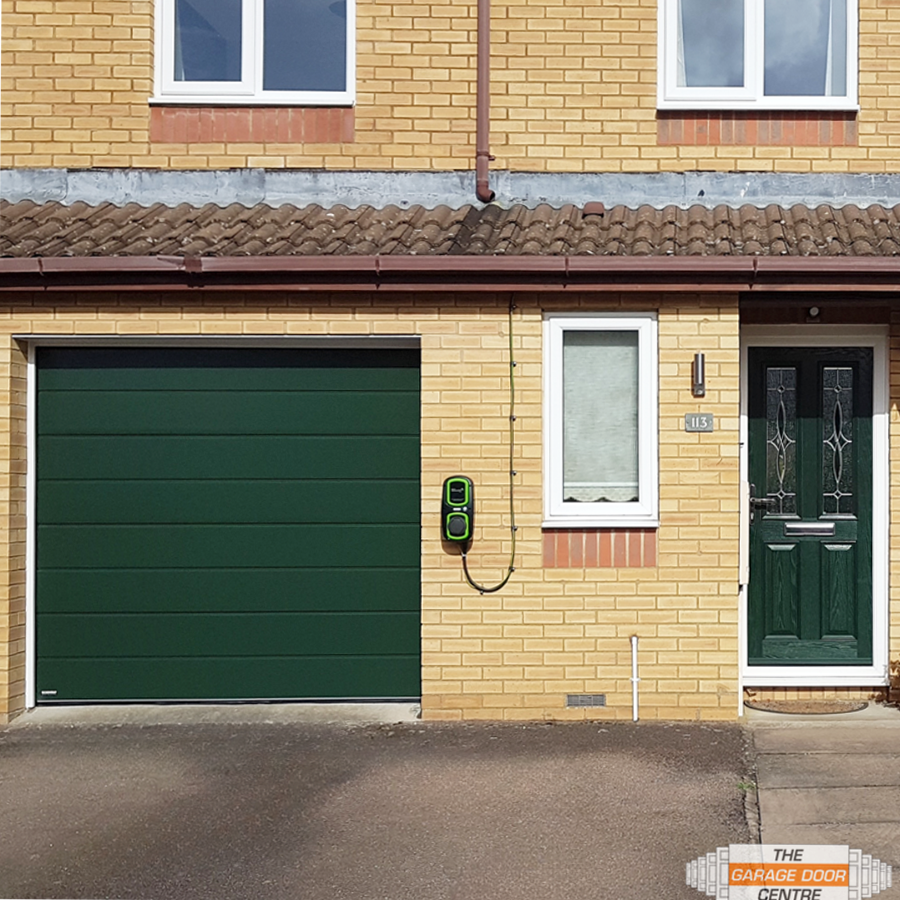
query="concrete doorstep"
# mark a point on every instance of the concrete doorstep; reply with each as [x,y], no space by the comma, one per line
[830,779]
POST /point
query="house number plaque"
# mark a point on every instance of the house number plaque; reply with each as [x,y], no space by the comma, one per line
[699,422]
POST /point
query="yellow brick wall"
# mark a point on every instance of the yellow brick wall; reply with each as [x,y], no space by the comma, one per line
[516,653]
[574,89]
[12,517]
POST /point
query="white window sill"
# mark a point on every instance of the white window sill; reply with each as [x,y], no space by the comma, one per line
[207,100]
[788,105]
[612,522]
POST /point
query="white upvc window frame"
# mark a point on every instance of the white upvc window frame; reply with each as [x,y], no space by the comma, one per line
[249,90]
[644,512]
[749,97]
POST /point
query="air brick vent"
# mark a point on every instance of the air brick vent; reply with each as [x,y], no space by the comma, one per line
[576,700]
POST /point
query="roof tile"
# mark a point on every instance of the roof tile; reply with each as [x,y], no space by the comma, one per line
[53,229]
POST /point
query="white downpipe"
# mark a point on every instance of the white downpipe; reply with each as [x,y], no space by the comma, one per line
[634,678]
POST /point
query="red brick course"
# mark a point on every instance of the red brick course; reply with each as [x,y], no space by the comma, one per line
[599,548]
[781,129]
[247,124]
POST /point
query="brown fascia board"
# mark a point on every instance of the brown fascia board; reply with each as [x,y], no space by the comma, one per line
[679,273]
[16,265]
[473,273]
[844,273]
[126,264]
[283,272]
[354,264]
[678,264]
[453,273]
[73,272]
[305,273]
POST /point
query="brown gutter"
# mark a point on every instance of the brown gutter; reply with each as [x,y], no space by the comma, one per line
[483,104]
[67,265]
[453,273]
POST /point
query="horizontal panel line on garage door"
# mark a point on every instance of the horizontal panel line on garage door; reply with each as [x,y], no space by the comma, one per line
[286,381]
[229,679]
[238,456]
[258,653]
[143,413]
[237,479]
[271,526]
[210,546]
[245,657]
[213,389]
[231,571]
[250,634]
[85,367]
[355,381]
[228,502]
[231,482]
[79,527]
[143,616]
[229,590]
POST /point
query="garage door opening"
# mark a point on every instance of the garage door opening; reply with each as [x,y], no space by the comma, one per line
[227,524]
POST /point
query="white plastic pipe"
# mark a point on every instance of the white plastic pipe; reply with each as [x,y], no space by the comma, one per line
[634,678]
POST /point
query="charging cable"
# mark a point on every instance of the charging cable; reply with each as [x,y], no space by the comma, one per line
[512,475]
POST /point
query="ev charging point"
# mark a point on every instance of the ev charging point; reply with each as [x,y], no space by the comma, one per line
[458,509]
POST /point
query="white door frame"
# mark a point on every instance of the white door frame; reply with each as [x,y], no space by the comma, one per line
[875,337]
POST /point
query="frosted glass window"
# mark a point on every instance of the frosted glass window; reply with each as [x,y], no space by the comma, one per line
[600,416]
[601,466]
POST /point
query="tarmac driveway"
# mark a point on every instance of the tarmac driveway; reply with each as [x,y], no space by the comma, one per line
[326,812]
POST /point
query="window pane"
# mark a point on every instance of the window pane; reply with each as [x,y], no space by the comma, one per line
[781,439]
[806,48]
[305,45]
[600,416]
[711,43]
[837,441]
[207,40]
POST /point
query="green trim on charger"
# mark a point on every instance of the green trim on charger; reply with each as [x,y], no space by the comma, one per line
[464,537]
[465,484]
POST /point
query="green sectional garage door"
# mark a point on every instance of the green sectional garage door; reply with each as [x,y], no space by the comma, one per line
[227,524]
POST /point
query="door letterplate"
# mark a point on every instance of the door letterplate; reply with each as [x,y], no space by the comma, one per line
[813,529]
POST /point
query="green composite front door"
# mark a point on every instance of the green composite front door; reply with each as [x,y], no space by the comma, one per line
[217,524]
[810,463]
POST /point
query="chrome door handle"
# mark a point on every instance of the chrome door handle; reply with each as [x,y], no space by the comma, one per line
[765,504]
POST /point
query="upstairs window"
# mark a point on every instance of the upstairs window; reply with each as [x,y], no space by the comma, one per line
[757,54]
[285,52]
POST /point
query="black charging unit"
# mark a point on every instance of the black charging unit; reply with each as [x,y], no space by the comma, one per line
[458,510]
